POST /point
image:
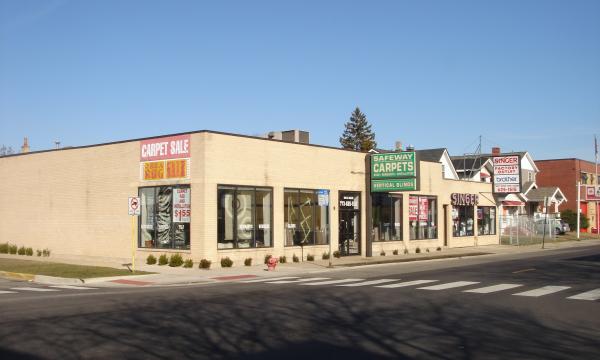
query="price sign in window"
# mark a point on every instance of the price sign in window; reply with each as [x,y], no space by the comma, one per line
[182,205]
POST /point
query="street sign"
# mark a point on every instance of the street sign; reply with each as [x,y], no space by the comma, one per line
[323,197]
[133,205]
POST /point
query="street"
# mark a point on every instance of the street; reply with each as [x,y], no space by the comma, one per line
[534,306]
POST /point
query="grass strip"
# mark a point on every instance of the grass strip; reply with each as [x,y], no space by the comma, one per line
[62,270]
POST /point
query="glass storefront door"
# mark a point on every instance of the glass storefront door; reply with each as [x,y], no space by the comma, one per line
[349,205]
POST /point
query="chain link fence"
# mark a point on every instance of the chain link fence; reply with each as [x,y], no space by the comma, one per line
[522,229]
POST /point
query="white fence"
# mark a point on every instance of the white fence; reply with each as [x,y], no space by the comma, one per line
[521,229]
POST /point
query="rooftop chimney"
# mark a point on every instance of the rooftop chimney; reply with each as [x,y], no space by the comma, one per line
[495,151]
[410,148]
[25,147]
[398,145]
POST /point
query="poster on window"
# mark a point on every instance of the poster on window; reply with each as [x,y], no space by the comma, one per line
[182,206]
[592,193]
[413,208]
[423,209]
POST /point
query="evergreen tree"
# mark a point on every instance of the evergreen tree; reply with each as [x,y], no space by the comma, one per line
[358,134]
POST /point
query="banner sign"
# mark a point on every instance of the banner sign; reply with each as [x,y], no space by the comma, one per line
[592,193]
[413,208]
[507,174]
[393,185]
[393,165]
[170,147]
[182,206]
[165,170]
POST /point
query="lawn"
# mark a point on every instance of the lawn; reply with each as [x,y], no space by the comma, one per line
[62,270]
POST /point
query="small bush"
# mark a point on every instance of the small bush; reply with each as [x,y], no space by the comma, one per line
[267,257]
[405,251]
[337,254]
[282,259]
[395,252]
[39,252]
[12,249]
[248,262]
[205,264]
[418,250]
[426,249]
[188,263]
[29,251]
[439,248]
[226,262]
[176,260]
[21,250]
[46,252]
[150,260]
[295,258]
[163,260]
[325,256]
[310,257]
[4,248]
[382,253]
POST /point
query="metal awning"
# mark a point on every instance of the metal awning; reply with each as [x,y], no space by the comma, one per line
[512,203]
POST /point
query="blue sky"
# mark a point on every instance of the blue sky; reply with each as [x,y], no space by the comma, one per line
[523,74]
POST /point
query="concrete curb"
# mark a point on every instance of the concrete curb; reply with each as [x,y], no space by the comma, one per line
[16,276]
[53,280]
[411,259]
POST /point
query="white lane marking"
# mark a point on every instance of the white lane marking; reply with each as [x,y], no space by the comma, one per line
[588,295]
[270,279]
[72,287]
[542,291]
[7,292]
[449,285]
[331,282]
[493,288]
[32,289]
[371,282]
[406,283]
[294,281]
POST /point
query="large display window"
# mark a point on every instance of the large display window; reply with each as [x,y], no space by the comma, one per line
[387,216]
[165,217]
[462,221]
[486,220]
[422,215]
[245,217]
[306,223]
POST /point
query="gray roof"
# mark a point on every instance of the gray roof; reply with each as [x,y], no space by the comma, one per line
[540,194]
[467,163]
[431,155]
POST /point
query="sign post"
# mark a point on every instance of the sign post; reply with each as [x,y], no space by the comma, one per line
[323,200]
[134,209]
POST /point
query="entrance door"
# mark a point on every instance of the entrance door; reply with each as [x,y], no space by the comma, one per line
[349,241]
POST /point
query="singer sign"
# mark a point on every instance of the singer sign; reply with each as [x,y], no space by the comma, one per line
[507,174]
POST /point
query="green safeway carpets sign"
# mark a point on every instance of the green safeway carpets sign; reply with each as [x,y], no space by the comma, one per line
[393,172]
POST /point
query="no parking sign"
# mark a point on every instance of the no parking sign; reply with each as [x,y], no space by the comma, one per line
[134,205]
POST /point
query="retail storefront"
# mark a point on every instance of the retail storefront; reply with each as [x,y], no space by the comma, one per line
[208,195]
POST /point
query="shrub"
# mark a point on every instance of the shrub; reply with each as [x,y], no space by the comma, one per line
[226,262]
[405,251]
[570,217]
[267,257]
[310,257]
[189,263]
[39,252]
[29,251]
[21,250]
[438,249]
[248,262]
[382,253]
[175,260]
[417,250]
[426,249]
[337,254]
[46,252]
[295,258]
[325,256]
[163,260]
[282,259]
[205,264]
[395,252]
[4,248]
[12,249]
[150,260]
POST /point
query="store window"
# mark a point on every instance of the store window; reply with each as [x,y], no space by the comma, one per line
[486,220]
[165,217]
[305,221]
[422,215]
[462,221]
[244,217]
[387,217]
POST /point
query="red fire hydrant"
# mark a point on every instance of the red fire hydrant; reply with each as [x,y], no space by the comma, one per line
[272,263]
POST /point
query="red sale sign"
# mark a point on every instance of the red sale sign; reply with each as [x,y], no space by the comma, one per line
[170,147]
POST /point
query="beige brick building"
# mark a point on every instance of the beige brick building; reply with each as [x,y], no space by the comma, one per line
[210,195]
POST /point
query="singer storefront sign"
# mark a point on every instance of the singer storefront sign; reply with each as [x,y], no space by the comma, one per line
[507,174]
[165,158]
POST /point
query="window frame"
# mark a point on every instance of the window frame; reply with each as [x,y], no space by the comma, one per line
[390,196]
[418,227]
[487,216]
[473,214]
[313,211]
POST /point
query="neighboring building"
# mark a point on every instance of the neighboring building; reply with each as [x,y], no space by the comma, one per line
[565,173]
[210,195]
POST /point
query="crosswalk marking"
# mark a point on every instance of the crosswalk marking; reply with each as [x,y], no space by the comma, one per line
[493,288]
[270,279]
[371,282]
[294,281]
[449,285]
[7,292]
[32,289]
[73,287]
[545,290]
[406,283]
[331,282]
[588,295]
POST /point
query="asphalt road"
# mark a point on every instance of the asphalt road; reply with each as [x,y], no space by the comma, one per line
[518,306]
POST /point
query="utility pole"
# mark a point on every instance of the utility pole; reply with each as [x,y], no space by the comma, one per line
[578,205]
